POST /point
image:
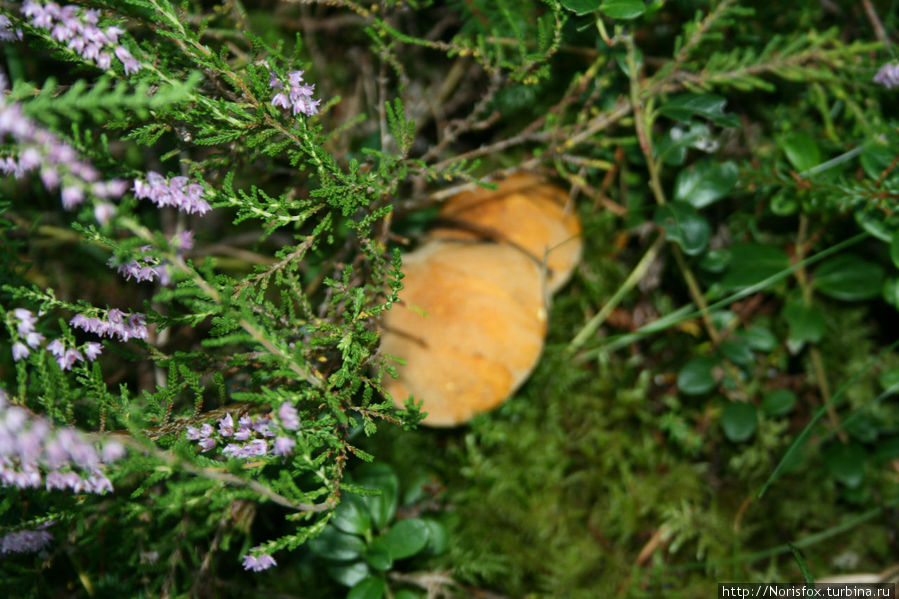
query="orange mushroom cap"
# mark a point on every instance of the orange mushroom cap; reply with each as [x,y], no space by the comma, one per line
[472,317]
[526,212]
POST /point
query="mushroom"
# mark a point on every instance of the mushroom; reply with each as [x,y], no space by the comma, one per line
[472,318]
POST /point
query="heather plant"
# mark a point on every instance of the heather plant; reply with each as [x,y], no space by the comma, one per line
[203,208]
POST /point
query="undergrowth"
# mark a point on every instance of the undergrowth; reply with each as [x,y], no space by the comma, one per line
[203,212]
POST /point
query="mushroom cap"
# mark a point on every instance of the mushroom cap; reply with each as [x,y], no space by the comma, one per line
[470,328]
[526,212]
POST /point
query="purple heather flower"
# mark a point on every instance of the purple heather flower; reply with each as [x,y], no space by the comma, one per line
[206,443]
[24,541]
[288,415]
[177,192]
[298,98]
[888,75]
[226,426]
[236,450]
[193,433]
[33,339]
[257,447]
[19,351]
[103,212]
[77,27]
[68,359]
[283,446]
[92,349]
[258,563]
[112,451]
[7,33]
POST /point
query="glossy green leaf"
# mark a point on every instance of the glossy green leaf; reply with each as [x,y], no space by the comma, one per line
[348,574]
[336,545]
[846,462]
[802,151]
[372,587]
[875,159]
[850,278]
[874,223]
[751,263]
[890,291]
[739,420]
[622,9]
[715,261]
[705,182]
[581,7]
[352,515]
[778,402]
[710,106]
[806,322]
[438,537]
[738,351]
[696,377]
[684,225]
[378,555]
[761,338]
[382,507]
[406,538]
[889,379]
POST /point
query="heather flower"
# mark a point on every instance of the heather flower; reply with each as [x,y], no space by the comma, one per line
[68,359]
[176,192]
[57,163]
[19,351]
[283,446]
[92,349]
[888,75]
[29,444]
[24,541]
[206,443]
[289,417]
[7,33]
[114,326]
[33,339]
[258,563]
[56,348]
[226,426]
[298,96]
[78,29]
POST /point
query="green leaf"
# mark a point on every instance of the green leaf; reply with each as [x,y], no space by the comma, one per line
[372,587]
[438,537]
[406,538]
[849,278]
[784,203]
[806,322]
[581,7]
[352,515]
[874,223]
[751,263]
[350,573]
[405,594]
[696,377]
[382,506]
[894,249]
[333,544]
[715,261]
[778,402]
[889,379]
[875,159]
[891,291]
[738,351]
[739,420]
[802,151]
[846,462]
[622,9]
[705,182]
[378,556]
[761,338]
[683,225]
[863,427]
[685,106]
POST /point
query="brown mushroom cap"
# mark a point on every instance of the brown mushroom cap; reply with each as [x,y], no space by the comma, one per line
[526,212]
[472,316]
[470,328]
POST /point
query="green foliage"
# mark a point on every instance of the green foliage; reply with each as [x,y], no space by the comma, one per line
[724,411]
